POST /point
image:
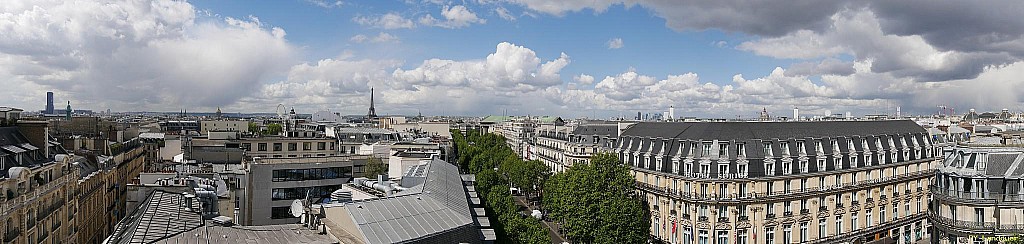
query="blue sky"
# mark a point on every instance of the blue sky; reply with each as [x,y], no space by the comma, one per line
[706,58]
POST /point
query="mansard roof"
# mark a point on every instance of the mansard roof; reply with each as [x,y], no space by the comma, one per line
[741,131]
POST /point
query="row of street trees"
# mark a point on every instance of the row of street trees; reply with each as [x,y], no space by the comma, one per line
[481,154]
[594,203]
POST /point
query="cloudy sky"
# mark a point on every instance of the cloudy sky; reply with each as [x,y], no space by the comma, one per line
[602,58]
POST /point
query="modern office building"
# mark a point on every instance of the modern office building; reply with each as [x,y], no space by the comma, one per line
[783,182]
[49,103]
[978,195]
[273,183]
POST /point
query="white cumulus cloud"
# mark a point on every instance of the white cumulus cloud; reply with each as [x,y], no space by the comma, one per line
[615,43]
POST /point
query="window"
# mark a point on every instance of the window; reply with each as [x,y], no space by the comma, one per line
[803,232]
[723,170]
[307,146]
[854,224]
[788,208]
[769,168]
[867,216]
[769,235]
[785,148]
[741,210]
[853,161]
[803,185]
[839,180]
[770,208]
[723,211]
[743,189]
[705,170]
[311,173]
[741,170]
[741,237]
[706,152]
[741,151]
[804,167]
[786,168]
[768,149]
[261,147]
[723,150]
[839,225]
[881,214]
[787,234]
[723,236]
[703,211]
[818,148]
[800,148]
[723,190]
[979,215]
[293,146]
[821,165]
[281,213]
[293,193]
[786,186]
[278,147]
[321,146]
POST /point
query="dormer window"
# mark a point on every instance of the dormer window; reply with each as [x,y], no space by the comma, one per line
[693,149]
[818,148]
[723,150]
[800,147]
[706,151]
[849,142]
[768,149]
[785,148]
[835,146]
[741,150]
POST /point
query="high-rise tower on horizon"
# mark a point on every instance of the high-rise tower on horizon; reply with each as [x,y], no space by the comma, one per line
[49,103]
[371,114]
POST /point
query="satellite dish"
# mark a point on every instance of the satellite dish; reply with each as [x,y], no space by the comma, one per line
[222,188]
[297,209]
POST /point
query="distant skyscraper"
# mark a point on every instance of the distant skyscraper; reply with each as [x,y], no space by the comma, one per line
[371,114]
[49,103]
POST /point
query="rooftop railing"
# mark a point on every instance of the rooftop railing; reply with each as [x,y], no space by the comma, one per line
[681,193]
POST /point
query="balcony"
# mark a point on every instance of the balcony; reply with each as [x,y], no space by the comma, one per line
[769,216]
[991,227]
[822,208]
[975,197]
[805,211]
[839,204]
[11,235]
[702,218]
[723,219]
[742,218]
[787,214]
[685,216]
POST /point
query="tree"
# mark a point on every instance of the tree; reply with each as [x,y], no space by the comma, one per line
[273,129]
[487,179]
[595,203]
[375,166]
[254,128]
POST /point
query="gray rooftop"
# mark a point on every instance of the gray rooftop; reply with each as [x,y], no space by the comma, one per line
[435,207]
[165,218]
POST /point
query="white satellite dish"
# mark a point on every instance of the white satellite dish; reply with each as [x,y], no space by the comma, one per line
[297,209]
[222,188]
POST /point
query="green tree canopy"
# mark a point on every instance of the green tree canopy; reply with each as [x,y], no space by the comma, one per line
[375,166]
[274,129]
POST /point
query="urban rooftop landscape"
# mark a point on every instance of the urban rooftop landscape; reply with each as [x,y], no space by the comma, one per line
[511,121]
